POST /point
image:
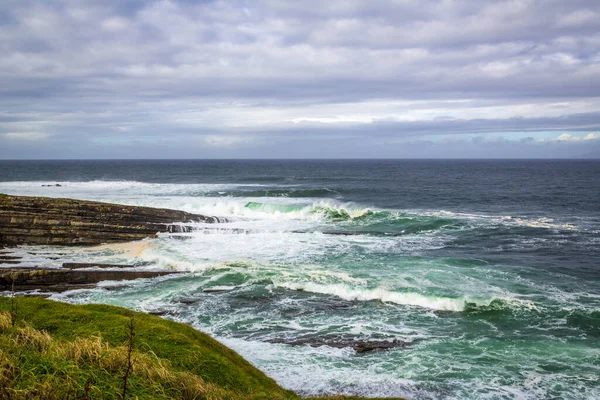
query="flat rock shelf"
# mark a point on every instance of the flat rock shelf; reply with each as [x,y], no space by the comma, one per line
[61,279]
[28,220]
[69,222]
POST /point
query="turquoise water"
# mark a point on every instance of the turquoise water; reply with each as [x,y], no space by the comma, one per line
[489,271]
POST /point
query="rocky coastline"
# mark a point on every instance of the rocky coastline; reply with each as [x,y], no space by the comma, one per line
[70,222]
[26,220]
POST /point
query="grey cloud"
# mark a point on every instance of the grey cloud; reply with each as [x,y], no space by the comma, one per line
[78,70]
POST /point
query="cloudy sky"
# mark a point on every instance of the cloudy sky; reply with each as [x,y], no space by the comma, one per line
[299,79]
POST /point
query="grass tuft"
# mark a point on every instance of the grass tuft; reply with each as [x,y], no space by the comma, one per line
[30,338]
[5,321]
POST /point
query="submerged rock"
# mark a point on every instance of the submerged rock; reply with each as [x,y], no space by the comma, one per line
[6,257]
[359,346]
[73,265]
[218,289]
[162,313]
[189,300]
[68,222]
[10,260]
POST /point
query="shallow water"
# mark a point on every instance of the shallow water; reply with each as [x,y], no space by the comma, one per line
[489,270]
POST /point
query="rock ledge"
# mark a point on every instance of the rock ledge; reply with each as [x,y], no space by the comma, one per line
[69,222]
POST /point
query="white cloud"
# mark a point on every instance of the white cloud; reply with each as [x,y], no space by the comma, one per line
[114,24]
[568,137]
[579,17]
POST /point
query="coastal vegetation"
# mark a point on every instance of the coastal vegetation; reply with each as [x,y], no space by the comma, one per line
[54,350]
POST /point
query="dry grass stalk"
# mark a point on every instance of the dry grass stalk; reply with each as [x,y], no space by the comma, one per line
[129,351]
[13,308]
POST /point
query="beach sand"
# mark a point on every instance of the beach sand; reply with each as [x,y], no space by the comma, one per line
[128,249]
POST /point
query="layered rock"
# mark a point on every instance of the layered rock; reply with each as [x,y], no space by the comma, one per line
[69,222]
[60,279]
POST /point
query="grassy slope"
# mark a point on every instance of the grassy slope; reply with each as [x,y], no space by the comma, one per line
[55,348]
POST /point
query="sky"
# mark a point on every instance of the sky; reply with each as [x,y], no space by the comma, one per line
[93,79]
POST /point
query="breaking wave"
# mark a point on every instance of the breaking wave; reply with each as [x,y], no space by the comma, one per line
[325,210]
[439,303]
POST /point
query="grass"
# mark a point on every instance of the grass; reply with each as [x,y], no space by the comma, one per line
[63,351]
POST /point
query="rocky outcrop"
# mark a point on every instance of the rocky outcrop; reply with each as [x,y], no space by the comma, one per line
[72,265]
[68,222]
[61,279]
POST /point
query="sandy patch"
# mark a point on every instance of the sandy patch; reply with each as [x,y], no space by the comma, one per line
[129,249]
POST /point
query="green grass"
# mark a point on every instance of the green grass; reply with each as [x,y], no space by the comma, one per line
[56,349]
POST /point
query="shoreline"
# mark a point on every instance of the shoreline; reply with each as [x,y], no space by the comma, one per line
[71,222]
[34,221]
[88,225]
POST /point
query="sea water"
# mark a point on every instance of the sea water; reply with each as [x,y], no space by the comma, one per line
[488,270]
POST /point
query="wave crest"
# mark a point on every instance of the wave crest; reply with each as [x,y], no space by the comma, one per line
[324,210]
[439,303]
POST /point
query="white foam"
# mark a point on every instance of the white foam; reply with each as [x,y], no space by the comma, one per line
[122,186]
[541,222]
[404,298]
[187,197]
[296,368]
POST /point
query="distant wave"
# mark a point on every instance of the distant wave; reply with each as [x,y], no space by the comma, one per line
[120,186]
[174,189]
[292,192]
[507,220]
[237,199]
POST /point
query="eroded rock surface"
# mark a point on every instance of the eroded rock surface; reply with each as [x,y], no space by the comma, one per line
[69,222]
[60,279]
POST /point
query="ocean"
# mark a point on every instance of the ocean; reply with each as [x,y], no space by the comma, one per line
[489,271]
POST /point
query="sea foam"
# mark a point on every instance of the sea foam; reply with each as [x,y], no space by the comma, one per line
[386,296]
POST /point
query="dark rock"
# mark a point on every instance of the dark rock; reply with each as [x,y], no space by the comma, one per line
[359,346]
[180,237]
[61,287]
[5,258]
[217,290]
[161,313]
[189,300]
[337,304]
[68,222]
[34,294]
[444,313]
[93,265]
[114,288]
[64,279]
